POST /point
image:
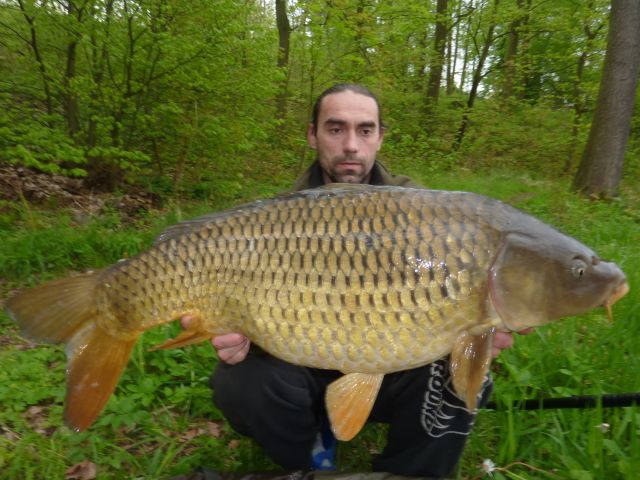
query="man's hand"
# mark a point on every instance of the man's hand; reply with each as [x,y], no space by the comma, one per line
[504,340]
[232,348]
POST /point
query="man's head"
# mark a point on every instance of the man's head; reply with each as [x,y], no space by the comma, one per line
[346,130]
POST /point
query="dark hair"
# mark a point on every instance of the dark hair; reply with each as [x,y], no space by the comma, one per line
[339,88]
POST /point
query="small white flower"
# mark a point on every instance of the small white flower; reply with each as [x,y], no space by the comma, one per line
[488,466]
[603,427]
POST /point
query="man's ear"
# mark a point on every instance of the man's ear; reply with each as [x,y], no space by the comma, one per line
[311,135]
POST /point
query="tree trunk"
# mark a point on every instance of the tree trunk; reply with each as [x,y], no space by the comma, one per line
[69,99]
[524,43]
[99,60]
[467,55]
[477,78]
[578,94]
[600,169]
[453,44]
[578,110]
[35,47]
[437,60]
[513,40]
[284,34]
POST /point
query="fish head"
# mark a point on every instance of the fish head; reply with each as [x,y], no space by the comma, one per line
[543,276]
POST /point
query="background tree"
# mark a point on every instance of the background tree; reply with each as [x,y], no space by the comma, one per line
[284,34]
[591,26]
[438,55]
[600,170]
[478,72]
[511,53]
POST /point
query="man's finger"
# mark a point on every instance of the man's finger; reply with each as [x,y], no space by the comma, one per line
[228,340]
[234,354]
[185,321]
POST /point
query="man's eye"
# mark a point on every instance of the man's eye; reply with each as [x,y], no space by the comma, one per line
[334,130]
[366,131]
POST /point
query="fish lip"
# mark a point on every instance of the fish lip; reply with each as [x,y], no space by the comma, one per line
[620,291]
[617,293]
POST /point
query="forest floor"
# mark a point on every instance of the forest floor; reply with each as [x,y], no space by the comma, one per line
[19,184]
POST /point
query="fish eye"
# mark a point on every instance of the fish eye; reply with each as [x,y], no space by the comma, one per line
[578,268]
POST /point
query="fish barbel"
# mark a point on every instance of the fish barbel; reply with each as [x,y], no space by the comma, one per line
[362,279]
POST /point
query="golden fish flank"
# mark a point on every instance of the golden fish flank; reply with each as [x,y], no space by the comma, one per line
[366,280]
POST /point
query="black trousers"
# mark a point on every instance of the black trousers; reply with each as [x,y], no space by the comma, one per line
[281,406]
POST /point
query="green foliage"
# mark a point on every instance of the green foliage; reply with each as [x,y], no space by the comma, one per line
[35,143]
[162,86]
[128,161]
[52,244]
[527,137]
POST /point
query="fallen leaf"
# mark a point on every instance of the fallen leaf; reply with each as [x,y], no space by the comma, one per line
[190,434]
[34,411]
[9,434]
[84,470]
[214,429]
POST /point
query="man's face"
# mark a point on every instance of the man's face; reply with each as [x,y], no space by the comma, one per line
[347,137]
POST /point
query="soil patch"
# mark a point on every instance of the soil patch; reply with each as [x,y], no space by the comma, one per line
[19,184]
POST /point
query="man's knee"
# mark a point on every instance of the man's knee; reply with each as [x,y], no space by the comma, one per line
[274,402]
[264,386]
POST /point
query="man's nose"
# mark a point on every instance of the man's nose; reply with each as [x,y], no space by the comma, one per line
[351,142]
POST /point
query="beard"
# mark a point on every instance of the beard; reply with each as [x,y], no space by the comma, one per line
[355,173]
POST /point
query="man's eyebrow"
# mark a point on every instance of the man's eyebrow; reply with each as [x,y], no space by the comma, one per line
[338,121]
[334,121]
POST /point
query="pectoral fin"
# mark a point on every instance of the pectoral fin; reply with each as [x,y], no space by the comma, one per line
[470,361]
[194,333]
[349,401]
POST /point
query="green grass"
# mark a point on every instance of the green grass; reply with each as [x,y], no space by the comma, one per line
[161,422]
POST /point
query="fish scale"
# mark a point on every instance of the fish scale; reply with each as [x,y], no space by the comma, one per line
[366,280]
[332,260]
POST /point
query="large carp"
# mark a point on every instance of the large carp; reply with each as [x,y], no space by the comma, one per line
[366,280]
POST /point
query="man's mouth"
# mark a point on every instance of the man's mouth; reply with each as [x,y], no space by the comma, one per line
[349,164]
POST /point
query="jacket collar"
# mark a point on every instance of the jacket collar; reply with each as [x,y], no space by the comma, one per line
[312,177]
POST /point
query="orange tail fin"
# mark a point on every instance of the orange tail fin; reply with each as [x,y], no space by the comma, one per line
[64,311]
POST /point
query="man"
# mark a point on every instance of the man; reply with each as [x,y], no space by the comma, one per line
[281,405]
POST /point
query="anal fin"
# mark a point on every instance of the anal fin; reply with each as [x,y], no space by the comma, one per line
[470,361]
[349,401]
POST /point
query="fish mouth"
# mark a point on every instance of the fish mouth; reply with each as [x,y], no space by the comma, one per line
[617,293]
